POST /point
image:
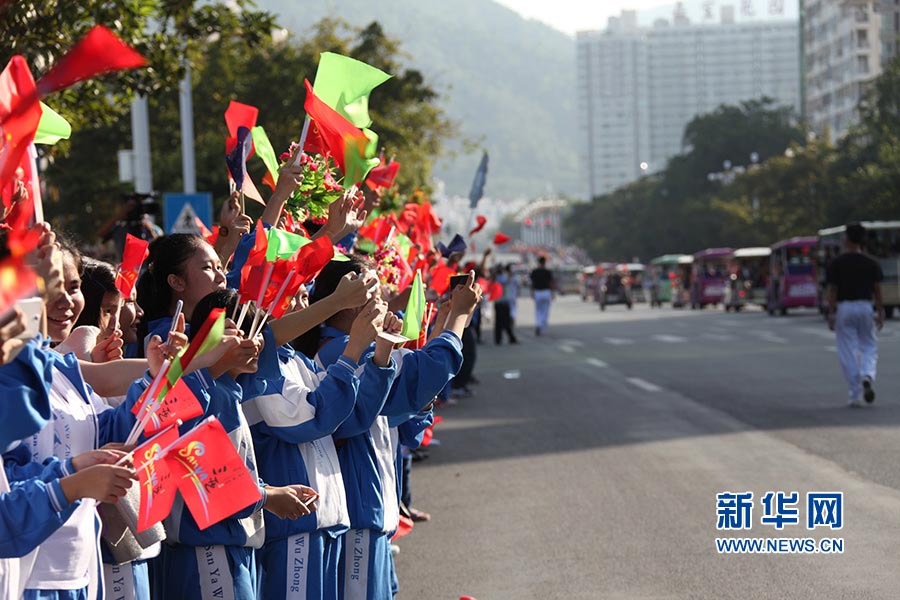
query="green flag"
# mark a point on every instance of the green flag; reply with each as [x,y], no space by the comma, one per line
[52,127]
[356,167]
[415,310]
[265,151]
[283,244]
[345,83]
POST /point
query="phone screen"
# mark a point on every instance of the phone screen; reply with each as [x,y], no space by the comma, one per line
[31,308]
[458,280]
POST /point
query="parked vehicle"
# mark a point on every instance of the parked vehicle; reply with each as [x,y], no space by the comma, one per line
[748,278]
[615,290]
[633,276]
[666,274]
[793,281]
[708,276]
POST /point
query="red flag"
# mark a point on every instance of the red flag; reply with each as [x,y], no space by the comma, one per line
[312,258]
[22,237]
[17,280]
[333,129]
[480,221]
[494,291]
[213,236]
[383,176]
[500,238]
[403,527]
[238,114]
[20,113]
[156,483]
[211,475]
[100,51]
[179,403]
[256,257]
[440,278]
[252,284]
[132,258]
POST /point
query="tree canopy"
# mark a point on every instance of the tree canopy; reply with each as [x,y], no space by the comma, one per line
[221,43]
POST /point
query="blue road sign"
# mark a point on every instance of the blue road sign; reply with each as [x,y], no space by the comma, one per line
[181,211]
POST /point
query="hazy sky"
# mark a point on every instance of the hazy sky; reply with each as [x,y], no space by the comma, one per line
[574,15]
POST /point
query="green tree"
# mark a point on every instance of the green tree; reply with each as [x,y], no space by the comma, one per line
[166,32]
[410,124]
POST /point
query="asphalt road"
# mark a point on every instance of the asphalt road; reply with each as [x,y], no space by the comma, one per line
[589,461]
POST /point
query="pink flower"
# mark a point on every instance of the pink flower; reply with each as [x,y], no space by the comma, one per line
[284,156]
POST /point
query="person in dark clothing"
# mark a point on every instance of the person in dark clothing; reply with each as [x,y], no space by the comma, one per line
[542,285]
[854,283]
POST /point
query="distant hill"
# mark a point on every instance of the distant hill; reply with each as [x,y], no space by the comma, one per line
[510,82]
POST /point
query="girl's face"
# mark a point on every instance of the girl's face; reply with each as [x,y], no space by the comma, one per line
[109,311]
[65,310]
[202,275]
[129,316]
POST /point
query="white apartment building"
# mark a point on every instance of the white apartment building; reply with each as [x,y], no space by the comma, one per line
[639,86]
[845,44]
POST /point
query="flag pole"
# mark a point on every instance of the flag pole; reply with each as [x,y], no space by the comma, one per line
[303,135]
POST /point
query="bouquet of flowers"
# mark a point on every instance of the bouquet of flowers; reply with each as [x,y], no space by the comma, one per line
[319,189]
[390,267]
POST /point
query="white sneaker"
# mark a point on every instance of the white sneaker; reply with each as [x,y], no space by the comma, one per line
[854,403]
[395,549]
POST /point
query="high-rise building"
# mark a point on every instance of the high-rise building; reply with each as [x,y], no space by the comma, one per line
[640,86]
[846,43]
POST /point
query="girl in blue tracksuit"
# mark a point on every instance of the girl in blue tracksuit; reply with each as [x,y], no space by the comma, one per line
[218,561]
[368,455]
[293,413]
[33,509]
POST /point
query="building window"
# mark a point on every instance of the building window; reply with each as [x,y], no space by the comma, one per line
[862,64]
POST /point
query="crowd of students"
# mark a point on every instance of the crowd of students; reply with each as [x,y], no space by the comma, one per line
[318,405]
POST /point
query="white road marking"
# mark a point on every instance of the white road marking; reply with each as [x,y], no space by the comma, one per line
[566,348]
[719,337]
[597,363]
[768,336]
[669,339]
[831,348]
[644,385]
[823,332]
[617,341]
[576,343]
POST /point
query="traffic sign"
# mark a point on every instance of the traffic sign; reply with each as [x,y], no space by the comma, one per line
[181,212]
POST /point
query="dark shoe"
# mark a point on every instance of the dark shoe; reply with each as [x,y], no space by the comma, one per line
[537,331]
[868,391]
[474,380]
[514,341]
[418,515]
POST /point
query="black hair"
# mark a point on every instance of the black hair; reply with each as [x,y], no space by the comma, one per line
[68,246]
[325,284]
[542,260]
[98,278]
[167,257]
[856,233]
[226,299]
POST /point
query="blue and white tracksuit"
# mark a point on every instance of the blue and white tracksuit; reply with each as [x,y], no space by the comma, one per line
[34,506]
[292,421]
[218,561]
[368,458]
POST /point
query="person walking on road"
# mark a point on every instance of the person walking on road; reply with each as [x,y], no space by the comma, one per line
[854,282]
[542,288]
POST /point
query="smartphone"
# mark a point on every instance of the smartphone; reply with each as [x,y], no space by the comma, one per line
[31,308]
[458,280]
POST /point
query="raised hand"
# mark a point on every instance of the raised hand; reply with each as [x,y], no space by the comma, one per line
[108,349]
[354,290]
